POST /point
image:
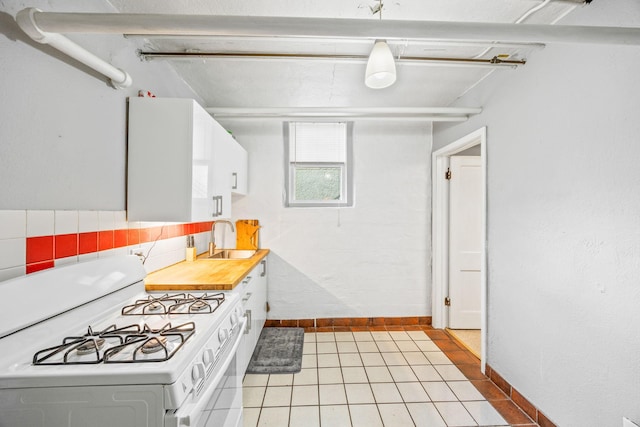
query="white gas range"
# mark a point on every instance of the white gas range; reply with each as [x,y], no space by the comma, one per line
[85,345]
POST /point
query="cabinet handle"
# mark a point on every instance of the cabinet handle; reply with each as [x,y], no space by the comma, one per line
[235,181]
[220,206]
[248,316]
[264,268]
[215,207]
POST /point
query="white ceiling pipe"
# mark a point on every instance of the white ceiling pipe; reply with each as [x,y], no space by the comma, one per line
[398,118]
[307,111]
[25,18]
[364,42]
[212,25]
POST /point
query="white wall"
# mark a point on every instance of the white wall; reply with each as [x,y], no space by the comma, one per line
[564,224]
[365,261]
[63,139]
[63,132]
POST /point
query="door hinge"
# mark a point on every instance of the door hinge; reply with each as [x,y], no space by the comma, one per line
[447,301]
[447,174]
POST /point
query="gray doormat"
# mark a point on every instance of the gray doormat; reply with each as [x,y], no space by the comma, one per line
[278,351]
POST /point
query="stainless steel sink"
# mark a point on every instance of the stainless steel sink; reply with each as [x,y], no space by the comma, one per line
[232,254]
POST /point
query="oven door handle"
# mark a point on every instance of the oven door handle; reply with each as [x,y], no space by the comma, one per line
[189,413]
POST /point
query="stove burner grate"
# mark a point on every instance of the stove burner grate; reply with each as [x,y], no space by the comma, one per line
[88,345]
[174,304]
[141,347]
[128,344]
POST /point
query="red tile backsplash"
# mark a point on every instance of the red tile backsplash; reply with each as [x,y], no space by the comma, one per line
[120,238]
[66,245]
[149,234]
[32,268]
[133,236]
[41,251]
[105,240]
[87,242]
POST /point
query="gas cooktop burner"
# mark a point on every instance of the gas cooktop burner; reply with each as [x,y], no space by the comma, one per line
[90,346]
[153,345]
[174,304]
[128,344]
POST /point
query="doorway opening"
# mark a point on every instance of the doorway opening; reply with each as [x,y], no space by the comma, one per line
[441,228]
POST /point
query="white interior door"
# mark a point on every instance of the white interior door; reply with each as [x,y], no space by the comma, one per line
[465,242]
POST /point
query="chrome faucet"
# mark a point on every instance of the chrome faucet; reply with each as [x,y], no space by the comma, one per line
[212,243]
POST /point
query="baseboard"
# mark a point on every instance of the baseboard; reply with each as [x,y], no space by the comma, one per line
[527,407]
[352,323]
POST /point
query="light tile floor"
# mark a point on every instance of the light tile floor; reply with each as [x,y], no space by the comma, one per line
[368,379]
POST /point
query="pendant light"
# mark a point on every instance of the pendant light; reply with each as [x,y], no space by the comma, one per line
[381,68]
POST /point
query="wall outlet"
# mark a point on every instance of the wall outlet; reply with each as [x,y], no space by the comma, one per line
[136,251]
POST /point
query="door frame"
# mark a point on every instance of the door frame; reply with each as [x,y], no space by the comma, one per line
[440,233]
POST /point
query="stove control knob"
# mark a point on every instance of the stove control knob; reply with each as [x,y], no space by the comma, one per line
[223,334]
[234,319]
[207,357]
[197,373]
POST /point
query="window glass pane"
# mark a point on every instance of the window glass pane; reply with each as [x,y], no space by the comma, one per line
[317,142]
[317,183]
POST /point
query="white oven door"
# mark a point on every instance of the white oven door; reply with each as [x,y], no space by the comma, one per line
[220,404]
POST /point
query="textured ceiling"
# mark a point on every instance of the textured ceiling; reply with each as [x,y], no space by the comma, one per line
[260,82]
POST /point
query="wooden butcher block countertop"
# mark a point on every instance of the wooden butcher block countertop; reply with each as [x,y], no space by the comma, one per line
[203,274]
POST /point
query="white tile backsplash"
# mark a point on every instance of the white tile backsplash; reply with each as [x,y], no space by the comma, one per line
[88,221]
[11,273]
[88,257]
[120,219]
[17,225]
[12,253]
[40,223]
[13,224]
[66,222]
[113,252]
[65,261]
[106,220]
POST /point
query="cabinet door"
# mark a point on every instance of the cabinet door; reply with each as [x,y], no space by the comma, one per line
[222,150]
[160,143]
[255,298]
[179,162]
[260,289]
[202,183]
[240,165]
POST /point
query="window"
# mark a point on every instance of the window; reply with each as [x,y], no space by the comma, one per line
[318,164]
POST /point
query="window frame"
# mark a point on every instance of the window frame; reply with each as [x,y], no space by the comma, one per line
[346,176]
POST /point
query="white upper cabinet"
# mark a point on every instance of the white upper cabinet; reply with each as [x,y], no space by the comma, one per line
[239,170]
[179,162]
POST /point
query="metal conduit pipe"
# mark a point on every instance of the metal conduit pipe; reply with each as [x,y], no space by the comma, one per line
[434,61]
[436,114]
[25,18]
[348,117]
[518,21]
[254,26]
